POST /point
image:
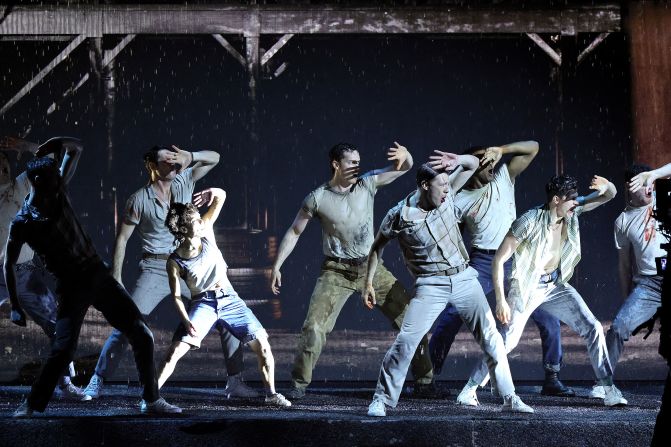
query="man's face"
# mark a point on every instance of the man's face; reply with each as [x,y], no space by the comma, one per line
[164,169]
[642,197]
[567,204]
[485,172]
[348,166]
[437,190]
[5,172]
[196,227]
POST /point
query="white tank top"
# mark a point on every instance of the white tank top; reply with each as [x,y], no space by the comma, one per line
[204,271]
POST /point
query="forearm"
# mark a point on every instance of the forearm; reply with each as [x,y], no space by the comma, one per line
[498,278]
[118,258]
[373,258]
[181,309]
[10,281]
[407,164]
[469,162]
[205,157]
[661,172]
[602,196]
[520,148]
[286,247]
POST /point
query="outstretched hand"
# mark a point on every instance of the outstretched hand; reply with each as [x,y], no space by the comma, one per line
[642,180]
[492,155]
[599,184]
[179,157]
[398,154]
[444,160]
[207,196]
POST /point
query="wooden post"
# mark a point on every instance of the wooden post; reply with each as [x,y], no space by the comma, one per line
[648,25]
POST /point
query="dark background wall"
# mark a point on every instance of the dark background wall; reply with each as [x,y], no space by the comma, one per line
[425,92]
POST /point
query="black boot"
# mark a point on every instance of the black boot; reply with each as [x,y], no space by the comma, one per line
[553,386]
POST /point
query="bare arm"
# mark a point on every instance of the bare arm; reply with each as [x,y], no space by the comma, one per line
[120,250]
[12,251]
[286,247]
[504,252]
[67,150]
[402,163]
[604,191]
[173,280]
[523,153]
[647,179]
[462,167]
[624,270]
[214,198]
[368,294]
[203,161]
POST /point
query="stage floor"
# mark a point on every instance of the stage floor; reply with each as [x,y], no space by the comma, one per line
[334,413]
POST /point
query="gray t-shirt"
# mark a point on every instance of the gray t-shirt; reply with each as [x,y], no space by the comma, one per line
[431,244]
[146,211]
[346,217]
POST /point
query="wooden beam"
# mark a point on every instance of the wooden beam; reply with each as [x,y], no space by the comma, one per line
[33,82]
[230,48]
[36,38]
[595,43]
[95,20]
[275,48]
[554,55]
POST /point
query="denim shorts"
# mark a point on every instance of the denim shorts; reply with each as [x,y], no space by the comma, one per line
[224,310]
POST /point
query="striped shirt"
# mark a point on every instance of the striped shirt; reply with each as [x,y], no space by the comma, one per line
[532,231]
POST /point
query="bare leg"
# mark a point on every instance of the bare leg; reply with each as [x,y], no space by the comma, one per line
[176,352]
[261,348]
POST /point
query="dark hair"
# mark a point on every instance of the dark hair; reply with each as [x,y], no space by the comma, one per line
[152,154]
[38,166]
[473,149]
[179,215]
[560,186]
[634,170]
[426,173]
[337,152]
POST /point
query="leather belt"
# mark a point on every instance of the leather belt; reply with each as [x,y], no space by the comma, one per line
[348,261]
[162,257]
[485,251]
[449,272]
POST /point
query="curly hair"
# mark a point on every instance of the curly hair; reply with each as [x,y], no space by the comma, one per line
[337,152]
[560,186]
[179,215]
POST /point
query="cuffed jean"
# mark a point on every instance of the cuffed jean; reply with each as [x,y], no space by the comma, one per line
[336,283]
[639,307]
[150,289]
[565,303]
[432,294]
[449,322]
[96,288]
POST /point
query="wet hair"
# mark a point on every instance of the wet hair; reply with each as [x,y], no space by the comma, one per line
[152,154]
[426,173]
[473,149]
[179,215]
[634,170]
[39,166]
[560,186]
[337,153]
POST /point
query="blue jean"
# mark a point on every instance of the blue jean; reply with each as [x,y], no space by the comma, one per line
[639,307]
[449,322]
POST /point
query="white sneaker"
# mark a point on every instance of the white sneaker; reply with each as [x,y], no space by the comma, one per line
[94,389]
[597,392]
[24,411]
[377,409]
[515,405]
[277,400]
[235,387]
[70,391]
[468,397]
[613,397]
[159,406]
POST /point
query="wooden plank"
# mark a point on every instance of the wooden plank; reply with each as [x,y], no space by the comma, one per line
[538,40]
[595,43]
[230,48]
[275,48]
[33,82]
[94,20]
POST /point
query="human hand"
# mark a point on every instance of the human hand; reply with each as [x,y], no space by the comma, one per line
[492,155]
[207,196]
[643,180]
[275,281]
[190,328]
[503,312]
[599,184]
[179,157]
[443,160]
[368,296]
[399,154]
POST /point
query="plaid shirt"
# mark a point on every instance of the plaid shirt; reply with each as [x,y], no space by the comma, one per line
[533,234]
[59,239]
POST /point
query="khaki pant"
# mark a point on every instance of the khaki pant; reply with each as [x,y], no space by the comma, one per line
[336,283]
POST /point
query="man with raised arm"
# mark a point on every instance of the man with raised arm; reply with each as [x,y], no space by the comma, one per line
[344,207]
[426,225]
[545,245]
[49,225]
[486,206]
[172,176]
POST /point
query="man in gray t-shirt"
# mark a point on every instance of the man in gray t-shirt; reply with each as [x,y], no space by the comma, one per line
[344,206]
[171,180]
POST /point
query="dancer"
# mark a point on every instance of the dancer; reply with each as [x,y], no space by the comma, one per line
[638,243]
[344,207]
[426,226]
[486,205]
[214,302]
[35,297]
[545,242]
[170,180]
[48,224]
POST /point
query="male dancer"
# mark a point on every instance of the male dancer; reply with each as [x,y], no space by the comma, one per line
[34,296]
[487,208]
[545,242]
[426,226]
[49,225]
[170,180]
[637,239]
[344,206]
